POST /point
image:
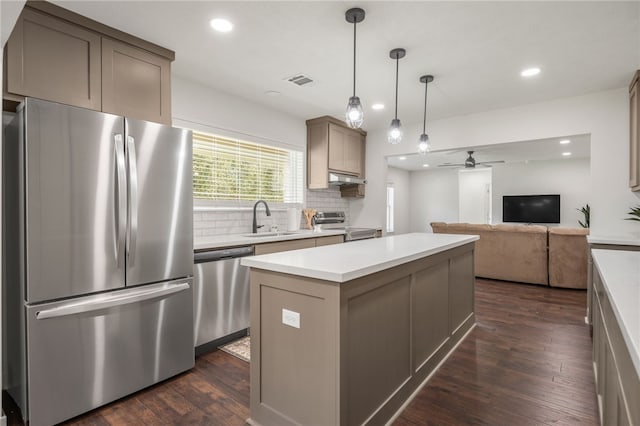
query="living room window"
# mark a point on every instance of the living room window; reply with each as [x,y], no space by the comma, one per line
[232,170]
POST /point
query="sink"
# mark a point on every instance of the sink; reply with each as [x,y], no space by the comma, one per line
[271,234]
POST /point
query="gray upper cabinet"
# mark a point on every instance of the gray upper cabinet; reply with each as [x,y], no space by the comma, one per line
[51,59]
[331,146]
[58,55]
[135,83]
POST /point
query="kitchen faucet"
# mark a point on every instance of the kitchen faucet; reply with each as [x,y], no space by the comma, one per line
[255,222]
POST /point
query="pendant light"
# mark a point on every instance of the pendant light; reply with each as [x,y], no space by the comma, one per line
[423,145]
[354,114]
[395,129]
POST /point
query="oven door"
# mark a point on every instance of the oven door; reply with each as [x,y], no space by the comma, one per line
[356,234]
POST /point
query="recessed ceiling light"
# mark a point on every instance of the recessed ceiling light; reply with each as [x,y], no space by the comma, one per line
[402,158]
[566,154]
[564,141]
[425,165]
[377,107]
[221,25]
[272,93]
[530,72]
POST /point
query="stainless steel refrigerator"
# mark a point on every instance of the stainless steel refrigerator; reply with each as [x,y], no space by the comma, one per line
[98,262]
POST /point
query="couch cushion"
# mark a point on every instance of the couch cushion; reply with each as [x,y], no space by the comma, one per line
[568,254]
[569,231]
[513,253]
[529,229]
[438,227]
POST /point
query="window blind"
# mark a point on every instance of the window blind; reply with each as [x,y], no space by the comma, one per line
[229,169]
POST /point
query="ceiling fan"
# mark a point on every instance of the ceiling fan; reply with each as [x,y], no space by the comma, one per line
[470,162]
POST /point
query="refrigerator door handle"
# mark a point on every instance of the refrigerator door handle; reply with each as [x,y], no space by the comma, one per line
[121,214]
[133,200]
[133,296]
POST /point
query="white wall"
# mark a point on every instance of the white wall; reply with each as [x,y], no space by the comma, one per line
[603,115]
[402,199]
[434,198]
[209,110]
[474,195]
[568,177]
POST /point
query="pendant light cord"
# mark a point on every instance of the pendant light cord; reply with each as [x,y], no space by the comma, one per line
[397,67]
[424,123]
[354,57]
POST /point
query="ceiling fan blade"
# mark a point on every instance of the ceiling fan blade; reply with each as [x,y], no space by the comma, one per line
[450,165]
[490,162]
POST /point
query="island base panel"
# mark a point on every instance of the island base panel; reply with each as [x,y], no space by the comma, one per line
[363,347]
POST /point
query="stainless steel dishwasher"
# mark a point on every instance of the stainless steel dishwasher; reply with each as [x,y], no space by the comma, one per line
[220,296]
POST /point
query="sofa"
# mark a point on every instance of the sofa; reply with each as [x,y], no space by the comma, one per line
[506,252]
[531,254]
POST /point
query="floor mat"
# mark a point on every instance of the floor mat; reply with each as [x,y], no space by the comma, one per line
[240,348]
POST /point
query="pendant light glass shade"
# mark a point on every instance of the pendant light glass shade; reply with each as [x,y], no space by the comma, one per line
[354,116]
[423,144]
[394,136]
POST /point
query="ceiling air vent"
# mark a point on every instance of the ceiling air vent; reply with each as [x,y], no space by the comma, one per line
[300,79]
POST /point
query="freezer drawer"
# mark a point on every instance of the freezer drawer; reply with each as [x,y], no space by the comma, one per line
[89,351]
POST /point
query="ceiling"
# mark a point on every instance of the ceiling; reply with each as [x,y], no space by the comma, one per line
[515,152]
[474,49]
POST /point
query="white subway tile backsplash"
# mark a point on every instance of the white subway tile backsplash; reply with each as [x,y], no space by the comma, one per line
[221,222]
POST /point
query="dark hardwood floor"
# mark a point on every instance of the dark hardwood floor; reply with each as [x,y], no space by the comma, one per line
[527,362]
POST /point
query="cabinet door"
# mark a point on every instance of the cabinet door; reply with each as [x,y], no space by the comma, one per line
[317,155]
[337,140]
[624,417]
[610,394]
[284,246]
[51,59]
[353,153]
[326,241]
[634,135]
[135,83]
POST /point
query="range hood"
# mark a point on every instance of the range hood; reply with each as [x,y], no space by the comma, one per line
[340,179]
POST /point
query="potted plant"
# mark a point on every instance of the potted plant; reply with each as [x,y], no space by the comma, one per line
[586,211]
[634,213]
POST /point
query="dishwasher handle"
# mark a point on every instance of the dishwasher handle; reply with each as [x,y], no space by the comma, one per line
[228,253]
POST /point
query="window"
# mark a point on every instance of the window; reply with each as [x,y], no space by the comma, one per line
[390,208]
[226,169]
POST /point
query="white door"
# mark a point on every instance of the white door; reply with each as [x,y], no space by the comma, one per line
[474,195]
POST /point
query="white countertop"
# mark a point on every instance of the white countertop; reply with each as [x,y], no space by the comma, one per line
[220,241]
[345,262]
[621,240]
[620,272]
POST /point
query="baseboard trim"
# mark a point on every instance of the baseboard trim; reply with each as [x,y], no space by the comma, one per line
[3,419]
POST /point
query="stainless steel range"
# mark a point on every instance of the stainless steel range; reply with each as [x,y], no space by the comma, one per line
[336,220]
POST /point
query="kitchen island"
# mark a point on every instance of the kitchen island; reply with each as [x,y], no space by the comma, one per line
[346,334]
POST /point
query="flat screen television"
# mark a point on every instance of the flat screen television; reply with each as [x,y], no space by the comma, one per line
[531,208]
